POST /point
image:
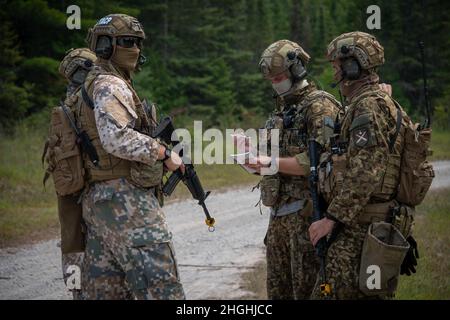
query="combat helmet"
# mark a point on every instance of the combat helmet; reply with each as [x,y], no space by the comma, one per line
[282,56]
[103,37]
[75,61]
[360,45]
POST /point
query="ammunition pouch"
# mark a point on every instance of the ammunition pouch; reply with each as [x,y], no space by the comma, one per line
[383,252]
[331,175]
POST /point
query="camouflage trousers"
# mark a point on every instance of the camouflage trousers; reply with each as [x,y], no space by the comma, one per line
[72,259]
[128,253]
[292,265]
[343,263]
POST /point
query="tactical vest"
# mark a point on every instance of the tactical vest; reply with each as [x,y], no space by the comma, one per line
[111,167]
[291,121]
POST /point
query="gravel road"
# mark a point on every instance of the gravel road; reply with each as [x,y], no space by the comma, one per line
[210,263]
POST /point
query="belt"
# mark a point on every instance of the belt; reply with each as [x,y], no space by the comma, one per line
[288,208]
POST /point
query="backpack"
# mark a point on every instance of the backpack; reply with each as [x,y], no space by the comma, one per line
[62,153]
[416,173]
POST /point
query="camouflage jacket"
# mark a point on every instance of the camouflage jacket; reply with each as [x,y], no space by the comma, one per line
[371,173]
[310,113]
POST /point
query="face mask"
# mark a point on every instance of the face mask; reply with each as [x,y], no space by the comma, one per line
[126,58]
[282,87]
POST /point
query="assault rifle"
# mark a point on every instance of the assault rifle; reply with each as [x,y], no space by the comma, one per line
[321,246]
[164,132]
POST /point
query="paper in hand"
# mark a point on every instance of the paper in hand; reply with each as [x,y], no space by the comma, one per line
[245,152]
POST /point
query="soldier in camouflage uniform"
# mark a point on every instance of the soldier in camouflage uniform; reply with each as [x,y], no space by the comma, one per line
[370,173]
[129,253]
[302,112]
[74,67]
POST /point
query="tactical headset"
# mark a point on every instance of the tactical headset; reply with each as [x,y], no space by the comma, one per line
[104,49]
[79,75]
[297,69]
[351,70]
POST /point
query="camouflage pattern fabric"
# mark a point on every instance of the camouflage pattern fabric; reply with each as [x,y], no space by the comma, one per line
[291,261]
[311,114]
[342,265]
[292,264]
[128,251]
[366,127]
[116,118]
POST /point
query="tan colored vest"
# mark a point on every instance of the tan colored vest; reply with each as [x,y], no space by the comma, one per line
[110,166]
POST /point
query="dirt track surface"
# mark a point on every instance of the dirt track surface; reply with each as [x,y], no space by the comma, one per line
[210,263]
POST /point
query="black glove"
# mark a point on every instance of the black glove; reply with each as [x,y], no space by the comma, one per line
[410,261]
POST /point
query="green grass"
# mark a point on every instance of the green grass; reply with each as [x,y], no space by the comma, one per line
[27,210]
[432,232]
[432,279]
[440,144]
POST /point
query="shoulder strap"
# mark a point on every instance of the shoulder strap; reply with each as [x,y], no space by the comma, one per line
[397,126]
[86,97]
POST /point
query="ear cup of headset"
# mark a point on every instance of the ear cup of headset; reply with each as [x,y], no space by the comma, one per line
[351,69]
[104,47]
[298,71]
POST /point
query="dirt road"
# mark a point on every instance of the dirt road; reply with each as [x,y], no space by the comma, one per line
[210,263]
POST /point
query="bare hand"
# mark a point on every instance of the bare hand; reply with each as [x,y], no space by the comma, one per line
[386,88]
[261,162]
[320,229]
[174,162]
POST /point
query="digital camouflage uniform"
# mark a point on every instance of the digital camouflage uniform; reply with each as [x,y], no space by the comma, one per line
[305,112]
[128,253]
[372,169]
[75,64]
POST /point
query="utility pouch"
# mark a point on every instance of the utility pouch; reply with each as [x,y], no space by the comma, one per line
[63,155]
[270,190]
[331,175]
[145,176]
[403,219]
[383,252]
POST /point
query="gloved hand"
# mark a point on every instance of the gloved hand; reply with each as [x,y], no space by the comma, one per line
[410,261]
